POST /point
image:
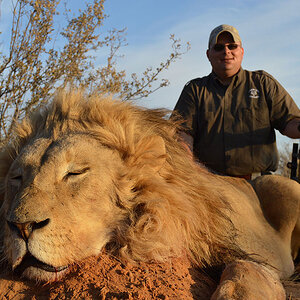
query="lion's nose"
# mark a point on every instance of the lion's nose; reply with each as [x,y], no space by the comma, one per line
[25,229]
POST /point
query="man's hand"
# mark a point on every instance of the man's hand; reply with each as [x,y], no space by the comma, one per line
[292,129]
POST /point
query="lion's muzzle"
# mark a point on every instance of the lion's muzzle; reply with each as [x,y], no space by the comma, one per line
[27,263]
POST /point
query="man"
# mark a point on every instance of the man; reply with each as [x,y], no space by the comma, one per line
[230,115]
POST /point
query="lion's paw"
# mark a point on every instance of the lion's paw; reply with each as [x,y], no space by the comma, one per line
[245,280]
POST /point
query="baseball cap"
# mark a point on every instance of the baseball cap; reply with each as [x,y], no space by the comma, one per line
[222,28]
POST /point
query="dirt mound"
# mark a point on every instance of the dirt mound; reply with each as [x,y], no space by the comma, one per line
[105,277]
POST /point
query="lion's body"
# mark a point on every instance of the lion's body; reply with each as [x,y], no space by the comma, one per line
[259,233]
[82,174]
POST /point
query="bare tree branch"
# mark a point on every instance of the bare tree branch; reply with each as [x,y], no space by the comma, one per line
[34,67]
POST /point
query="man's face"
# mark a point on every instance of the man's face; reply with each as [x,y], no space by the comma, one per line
[225,63]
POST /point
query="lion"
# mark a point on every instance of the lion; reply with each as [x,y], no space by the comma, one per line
[91,172]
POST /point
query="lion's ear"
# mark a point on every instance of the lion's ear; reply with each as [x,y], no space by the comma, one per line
[150,153]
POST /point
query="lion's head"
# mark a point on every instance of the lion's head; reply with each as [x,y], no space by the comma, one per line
[86,172]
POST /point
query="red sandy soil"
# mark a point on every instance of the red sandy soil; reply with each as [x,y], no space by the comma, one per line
[105,277]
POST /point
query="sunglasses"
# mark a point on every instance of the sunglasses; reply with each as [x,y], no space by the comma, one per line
[221,47]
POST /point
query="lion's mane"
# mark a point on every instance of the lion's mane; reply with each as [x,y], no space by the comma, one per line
[169,211]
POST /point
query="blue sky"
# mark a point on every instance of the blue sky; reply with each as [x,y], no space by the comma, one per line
[270,31]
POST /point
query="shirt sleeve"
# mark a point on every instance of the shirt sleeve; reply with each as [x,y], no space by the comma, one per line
[185,108]
[282,108]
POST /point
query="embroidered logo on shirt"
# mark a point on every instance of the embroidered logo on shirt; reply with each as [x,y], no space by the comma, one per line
[253,93]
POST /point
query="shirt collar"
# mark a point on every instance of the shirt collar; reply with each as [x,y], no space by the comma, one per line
[235,79]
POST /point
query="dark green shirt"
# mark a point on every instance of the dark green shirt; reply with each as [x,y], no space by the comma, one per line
[233,127]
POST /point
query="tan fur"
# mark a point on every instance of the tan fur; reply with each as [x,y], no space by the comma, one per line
[244,280]
[93,172]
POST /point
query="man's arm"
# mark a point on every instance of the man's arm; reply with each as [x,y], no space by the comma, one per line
[292,129]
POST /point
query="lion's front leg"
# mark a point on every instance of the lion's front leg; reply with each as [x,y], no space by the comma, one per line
[295,243]
[245,280]
[280,202]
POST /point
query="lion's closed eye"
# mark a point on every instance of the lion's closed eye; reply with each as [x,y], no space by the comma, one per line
[73,174]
